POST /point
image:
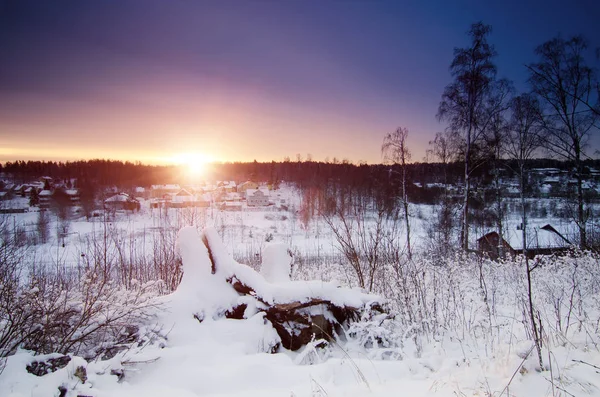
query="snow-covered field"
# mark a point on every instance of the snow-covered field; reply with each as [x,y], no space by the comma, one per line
[456,330]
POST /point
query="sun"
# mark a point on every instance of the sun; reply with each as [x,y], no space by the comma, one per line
[194,163]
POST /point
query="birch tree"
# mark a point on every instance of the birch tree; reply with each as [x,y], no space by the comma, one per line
[465,103]
[395,151]
[525,138]
[566,87]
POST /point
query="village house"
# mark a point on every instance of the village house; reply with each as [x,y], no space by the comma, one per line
[203,200]
[231,197]
[73,195]
[45,196]
[226,186]
[242,187]
[161,191]
[182,199]
[141,192]
[231,206]
[257,197]
[121,201]
[543,240]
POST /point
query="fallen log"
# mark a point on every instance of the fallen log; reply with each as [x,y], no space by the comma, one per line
[299,311]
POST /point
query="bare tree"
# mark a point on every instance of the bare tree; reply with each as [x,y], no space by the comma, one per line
[495,140]
[395,151]
[362,239]
[465,103]
[566,88]
[15,321]
[445,150]
[43,225]
[523,141]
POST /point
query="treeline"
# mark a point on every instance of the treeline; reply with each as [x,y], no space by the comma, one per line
[304,174]
[101,172]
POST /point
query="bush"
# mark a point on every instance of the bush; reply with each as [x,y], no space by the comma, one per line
[48,312]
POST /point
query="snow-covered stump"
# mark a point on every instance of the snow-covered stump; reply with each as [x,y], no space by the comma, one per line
[216,286]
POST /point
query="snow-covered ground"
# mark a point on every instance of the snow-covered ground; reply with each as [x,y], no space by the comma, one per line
[460,330]
[484,349]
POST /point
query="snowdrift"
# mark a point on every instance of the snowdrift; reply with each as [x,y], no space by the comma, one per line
[215,286]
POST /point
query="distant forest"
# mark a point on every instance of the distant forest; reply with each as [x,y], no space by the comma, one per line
[375,179]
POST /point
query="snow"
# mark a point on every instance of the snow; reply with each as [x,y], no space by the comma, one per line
[276,265]
[200,292]
[537,237]
[121,197]
[252,192]
[477,353]
[166,187]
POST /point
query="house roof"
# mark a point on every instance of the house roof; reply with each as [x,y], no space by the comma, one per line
[537,237]
[252,192]
[120,197]
[183,192]
[166,187]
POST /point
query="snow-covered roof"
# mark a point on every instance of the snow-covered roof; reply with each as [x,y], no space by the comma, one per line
[551,179]
[183,195]
[251,192]
[45,193]
[184,192]
[166,187]
[537,237]
[121,197]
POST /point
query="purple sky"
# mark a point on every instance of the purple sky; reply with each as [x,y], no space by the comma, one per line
[243,80]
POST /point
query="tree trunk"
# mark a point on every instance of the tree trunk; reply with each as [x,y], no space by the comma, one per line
[405,206]
[465,220]
[534,327]
[523,211]
[499,213]
[581,221]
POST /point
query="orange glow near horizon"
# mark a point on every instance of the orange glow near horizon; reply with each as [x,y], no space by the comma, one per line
[195,163]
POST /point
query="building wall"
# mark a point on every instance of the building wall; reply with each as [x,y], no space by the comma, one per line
[258,199]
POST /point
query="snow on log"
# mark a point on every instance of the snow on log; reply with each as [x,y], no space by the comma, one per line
[276,266]
[300,311]
[200,291]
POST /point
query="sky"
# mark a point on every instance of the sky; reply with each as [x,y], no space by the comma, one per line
[160,81]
